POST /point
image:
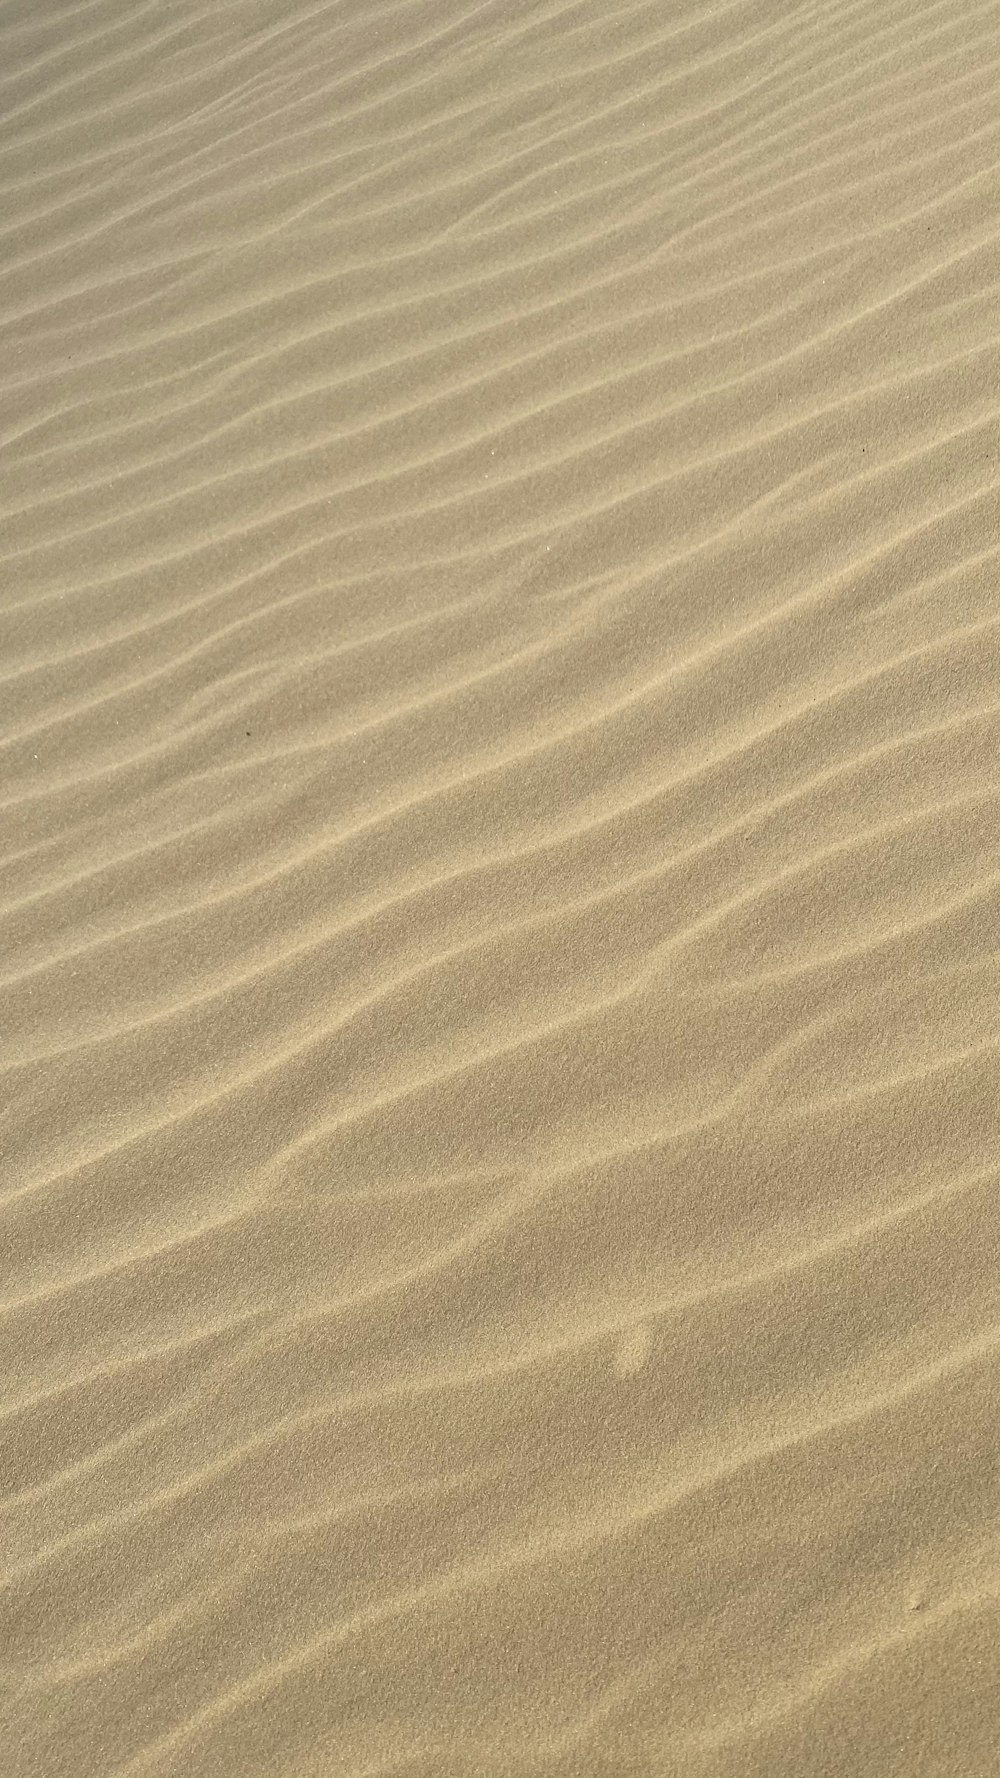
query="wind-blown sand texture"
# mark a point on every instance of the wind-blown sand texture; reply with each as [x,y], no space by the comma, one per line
[500,960]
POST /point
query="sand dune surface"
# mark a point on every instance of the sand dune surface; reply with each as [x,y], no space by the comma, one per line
[499,889]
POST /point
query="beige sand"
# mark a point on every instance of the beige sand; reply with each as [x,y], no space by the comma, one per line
[499,916]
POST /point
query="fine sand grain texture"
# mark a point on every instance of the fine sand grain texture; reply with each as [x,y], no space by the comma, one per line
[499,889]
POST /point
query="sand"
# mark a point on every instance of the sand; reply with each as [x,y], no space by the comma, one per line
[499,913]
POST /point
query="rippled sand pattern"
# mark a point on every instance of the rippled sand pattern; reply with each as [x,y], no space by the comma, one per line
[499,910]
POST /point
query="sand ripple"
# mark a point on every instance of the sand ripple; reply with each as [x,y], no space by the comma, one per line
[499,889]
